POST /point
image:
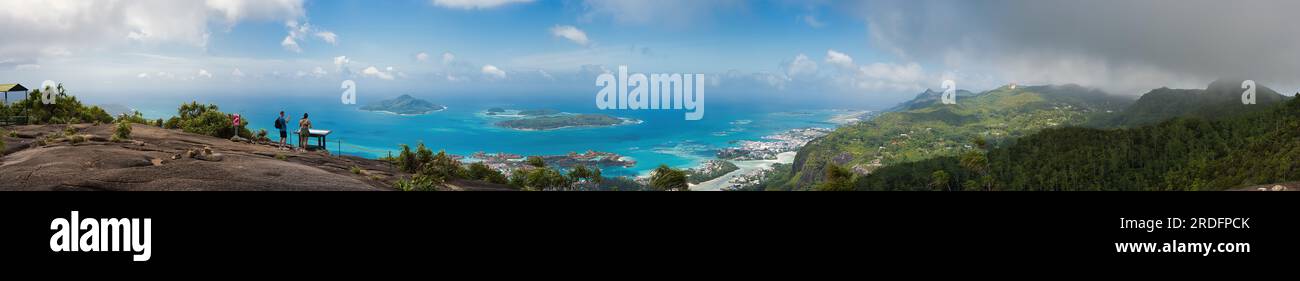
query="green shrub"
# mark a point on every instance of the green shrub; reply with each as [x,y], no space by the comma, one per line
[261,135]
[121,131]
[2,142]
[518,178]
[76,139]
[417,183]
[581,173]
[423,156]
[536,161]
[406,160]
[69,130]
[66,108]
[403,185]
[172,123]
[538,179]
[281,157]
[668,179]
[356,170]
[135,117]
[94,113]
[442,166]
[207,120]
[838,178]
[544,178]
[480,171]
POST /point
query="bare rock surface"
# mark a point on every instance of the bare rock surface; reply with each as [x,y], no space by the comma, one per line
[40,157]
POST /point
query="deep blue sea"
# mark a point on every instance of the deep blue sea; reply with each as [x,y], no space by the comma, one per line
[665,137]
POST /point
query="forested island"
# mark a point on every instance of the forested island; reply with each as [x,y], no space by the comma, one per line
[404,105]
[562,121]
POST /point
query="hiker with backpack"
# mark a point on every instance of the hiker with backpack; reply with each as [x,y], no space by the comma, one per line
[280,124]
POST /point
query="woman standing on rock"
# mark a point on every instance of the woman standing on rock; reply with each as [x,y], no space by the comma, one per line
[304,131]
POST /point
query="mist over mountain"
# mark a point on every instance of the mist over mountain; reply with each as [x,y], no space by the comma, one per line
[1220,99]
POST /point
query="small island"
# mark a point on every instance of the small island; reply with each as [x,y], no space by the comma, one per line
[404,105]
[562,121]
[539,112]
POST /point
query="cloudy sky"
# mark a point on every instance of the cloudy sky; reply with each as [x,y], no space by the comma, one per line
[859,51]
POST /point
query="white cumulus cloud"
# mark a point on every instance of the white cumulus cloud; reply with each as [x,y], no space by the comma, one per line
[839,59]
[328,37]
[340,62]
[475,4]
[299,32]
[376,73]
[290,45]
[570,32]
[59,28]
[800,66]
[493,72]
[891,77]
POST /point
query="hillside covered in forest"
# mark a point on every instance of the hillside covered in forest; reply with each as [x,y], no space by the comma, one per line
[924,128]
[1208,140]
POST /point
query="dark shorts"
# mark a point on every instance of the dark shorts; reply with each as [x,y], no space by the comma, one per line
[284,134]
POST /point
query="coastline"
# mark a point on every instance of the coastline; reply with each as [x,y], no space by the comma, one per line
[376,135]
[746,167]
[850,116]
[626,121]
[444,108]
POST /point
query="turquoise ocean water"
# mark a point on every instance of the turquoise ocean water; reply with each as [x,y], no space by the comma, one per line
[663,138]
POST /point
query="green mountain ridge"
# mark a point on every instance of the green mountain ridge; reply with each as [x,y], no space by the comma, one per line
[1169,139]
[923,128]
[1254,147]
[927,98]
